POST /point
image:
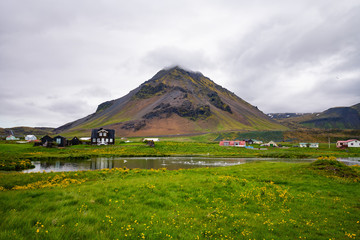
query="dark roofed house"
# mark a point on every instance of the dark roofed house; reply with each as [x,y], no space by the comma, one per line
[60,141]
[103,136]
[75,141]
[46,139]
[249,141]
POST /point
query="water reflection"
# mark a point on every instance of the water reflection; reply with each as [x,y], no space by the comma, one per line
[171,163]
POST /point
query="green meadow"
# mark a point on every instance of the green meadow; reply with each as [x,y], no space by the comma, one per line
[250,201]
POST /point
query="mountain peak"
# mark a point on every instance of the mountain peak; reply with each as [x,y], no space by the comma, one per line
[177,71]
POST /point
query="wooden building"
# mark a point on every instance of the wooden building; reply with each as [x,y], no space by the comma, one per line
[75,141]
[102,136]
[60,141]
[46,139]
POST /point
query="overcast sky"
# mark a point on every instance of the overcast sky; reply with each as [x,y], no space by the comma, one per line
[60,59]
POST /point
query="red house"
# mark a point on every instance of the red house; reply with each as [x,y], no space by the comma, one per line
[233,143]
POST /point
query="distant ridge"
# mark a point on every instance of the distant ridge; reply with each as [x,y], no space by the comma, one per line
[332,118]
[174,101]
[336,118]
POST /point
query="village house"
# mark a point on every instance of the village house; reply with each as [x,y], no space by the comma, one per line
[151,139]
[348,143]
[75,141]
[249,141]
[30,138]
[46,139]
[233,143]
[303,145]
[270,144]
[60,141]
[12,138]
[314,145]
[257,141]
[102,136]
[311,145]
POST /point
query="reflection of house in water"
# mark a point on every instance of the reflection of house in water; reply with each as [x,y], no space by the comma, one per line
[100,163]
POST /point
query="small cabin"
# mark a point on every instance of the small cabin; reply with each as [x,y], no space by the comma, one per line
[151,139]
[11,138]
[302,145]
[257,141]
[233,143]
[270,144]
[60,141]
[30,138]
[249,141]
[46,139]
[75,141]
[314,145]
[102,136]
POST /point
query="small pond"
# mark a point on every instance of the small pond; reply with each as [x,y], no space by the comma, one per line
[170,163]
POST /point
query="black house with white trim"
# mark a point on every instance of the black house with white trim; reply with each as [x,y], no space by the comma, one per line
[60,141]
[102,136]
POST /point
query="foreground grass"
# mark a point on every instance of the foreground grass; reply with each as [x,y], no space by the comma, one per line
[250,201]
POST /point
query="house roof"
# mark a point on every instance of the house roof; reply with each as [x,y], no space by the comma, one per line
[110,131]
[346,141]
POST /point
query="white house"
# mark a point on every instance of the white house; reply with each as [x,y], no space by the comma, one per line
[270,144]
[303,144]
[257,141]
[30,138]
[12,138]
[353,143]
[151,139]
[314,145]
[348,143]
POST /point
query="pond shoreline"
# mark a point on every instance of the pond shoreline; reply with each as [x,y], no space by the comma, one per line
[170,163]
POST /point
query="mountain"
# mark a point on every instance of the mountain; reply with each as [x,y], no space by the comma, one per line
[332,118]
[336,118]
[174,101]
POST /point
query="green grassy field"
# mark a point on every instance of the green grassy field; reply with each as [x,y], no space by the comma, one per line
[250,201]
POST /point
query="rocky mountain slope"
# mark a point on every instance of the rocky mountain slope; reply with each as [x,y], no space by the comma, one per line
[174,101]
[332,118]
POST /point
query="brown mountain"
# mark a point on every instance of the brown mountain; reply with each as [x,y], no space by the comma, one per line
[174,101]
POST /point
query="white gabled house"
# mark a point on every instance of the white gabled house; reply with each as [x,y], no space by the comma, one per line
[12,138]
[353,143]
[30,138]
[348,143]
[314,145]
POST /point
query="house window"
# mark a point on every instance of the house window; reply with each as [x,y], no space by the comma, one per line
[58,140]
[104,134]
[226,143]
[94,139]
[111,140]
[107,140]
[98,139]
[100,134]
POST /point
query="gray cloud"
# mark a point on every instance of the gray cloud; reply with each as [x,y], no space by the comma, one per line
[59,60]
